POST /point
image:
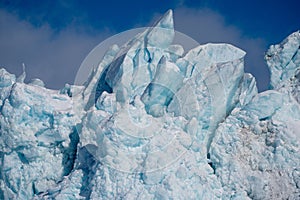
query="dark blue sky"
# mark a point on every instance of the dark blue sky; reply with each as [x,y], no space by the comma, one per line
[53,37]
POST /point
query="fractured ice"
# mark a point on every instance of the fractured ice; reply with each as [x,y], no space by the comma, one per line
[153,122]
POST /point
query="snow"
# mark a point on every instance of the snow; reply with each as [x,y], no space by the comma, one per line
[154,122]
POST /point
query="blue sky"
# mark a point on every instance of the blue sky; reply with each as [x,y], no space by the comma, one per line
[53,37]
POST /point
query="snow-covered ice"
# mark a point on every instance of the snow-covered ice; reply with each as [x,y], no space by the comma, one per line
[155,122]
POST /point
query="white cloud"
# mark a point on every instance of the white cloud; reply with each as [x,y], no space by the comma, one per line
[51,56]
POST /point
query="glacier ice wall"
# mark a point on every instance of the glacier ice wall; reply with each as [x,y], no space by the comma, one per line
[155,122]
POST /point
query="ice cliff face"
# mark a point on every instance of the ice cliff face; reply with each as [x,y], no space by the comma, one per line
[153,122]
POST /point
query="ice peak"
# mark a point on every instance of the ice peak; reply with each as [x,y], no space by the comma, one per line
[166,21]
[162,33]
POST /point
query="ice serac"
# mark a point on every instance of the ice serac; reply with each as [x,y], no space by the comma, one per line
[162,88]
[255,151]
[118,70]
[38,138]
[214,74]
[283,60]
[155,122]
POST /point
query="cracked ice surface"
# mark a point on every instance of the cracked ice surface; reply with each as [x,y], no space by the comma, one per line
[155,122]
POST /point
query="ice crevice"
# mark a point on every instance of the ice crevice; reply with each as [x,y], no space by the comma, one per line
[155,122]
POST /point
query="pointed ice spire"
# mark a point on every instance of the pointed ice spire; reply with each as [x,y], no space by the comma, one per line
[150,44]
[22,77]
[167,20]
[162,33]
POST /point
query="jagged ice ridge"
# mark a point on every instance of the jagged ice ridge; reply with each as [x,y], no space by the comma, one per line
[155,122]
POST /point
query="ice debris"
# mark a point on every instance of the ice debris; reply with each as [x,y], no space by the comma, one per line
[153,122]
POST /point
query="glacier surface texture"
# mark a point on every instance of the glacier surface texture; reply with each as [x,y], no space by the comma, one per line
[155,122]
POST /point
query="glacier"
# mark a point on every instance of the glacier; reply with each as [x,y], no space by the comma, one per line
[155,122]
